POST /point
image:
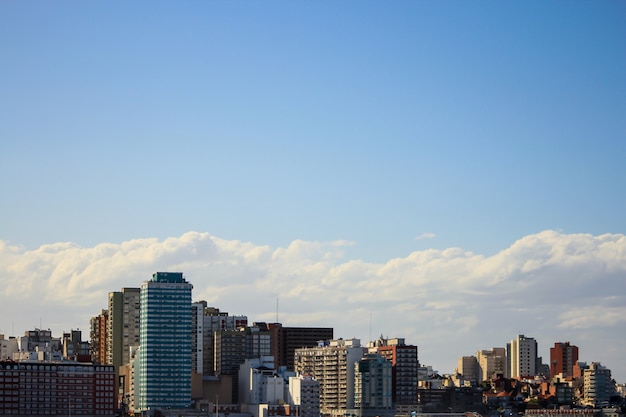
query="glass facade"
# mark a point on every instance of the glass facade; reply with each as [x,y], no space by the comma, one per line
[165,337]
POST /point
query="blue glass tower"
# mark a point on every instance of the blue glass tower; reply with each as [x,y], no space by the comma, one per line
[165,337]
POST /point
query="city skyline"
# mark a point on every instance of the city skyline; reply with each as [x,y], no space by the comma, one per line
[443,329]
[447,172]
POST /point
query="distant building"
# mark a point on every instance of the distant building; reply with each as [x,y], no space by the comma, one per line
[7,347]
[304,393]
[122,325]
[332,364]
[257,341]
[38,340]
[259,383]
[33,388]
[598,387]
[206,322]
[491,362]
[230,353]
[163,365]
[98,336]
[285,341]
[469,369]
[373,383]
[522,357]
[563,356]
[74,348]
[404,365]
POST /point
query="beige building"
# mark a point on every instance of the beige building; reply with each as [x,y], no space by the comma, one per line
[491,362]
[332,364]
[122,325]
[468,367]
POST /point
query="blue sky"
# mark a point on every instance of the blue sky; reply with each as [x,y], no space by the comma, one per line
[396,126]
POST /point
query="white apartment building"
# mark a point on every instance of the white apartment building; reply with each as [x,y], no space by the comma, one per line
[304,394]
[259,383]
[522,357]
[332,364]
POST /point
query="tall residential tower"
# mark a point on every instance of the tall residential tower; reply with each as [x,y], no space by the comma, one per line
[522,357]
[165,350]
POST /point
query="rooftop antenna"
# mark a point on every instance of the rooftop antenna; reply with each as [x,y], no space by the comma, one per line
[371,327]
[276,309]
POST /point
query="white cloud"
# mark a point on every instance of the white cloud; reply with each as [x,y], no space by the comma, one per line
[449,302]
[426,235]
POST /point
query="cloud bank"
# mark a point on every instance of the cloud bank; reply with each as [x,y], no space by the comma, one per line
[450,302]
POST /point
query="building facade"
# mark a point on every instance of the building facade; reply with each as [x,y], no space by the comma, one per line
[39,388]
[563,356]
[492,362]
[332,364]
[164,357]
[206,322]
[98,336]
[285,341]
[468,367]
[404,363]
[122,325]
[522,357]
[598,387]
[373,383]
[304,394]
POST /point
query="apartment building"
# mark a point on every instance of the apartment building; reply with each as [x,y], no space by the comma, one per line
[163,366]
[98,336]
[492,362]
[468,367]
[597,385]
[404,365]
[122,325]
[304,394]
[285,341]
[373,383]
[38,388]
[206,321]
[522,357]
[563,356]
[332,364]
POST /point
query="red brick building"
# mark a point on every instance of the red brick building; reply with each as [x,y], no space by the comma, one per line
[563,356]
[37,388]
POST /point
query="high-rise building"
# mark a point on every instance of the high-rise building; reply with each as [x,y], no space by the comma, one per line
[522,357]
[468,367]
[332,364]
[492,362]
[230,354]
[98,336]
[122,325]
[598,387]
[372,383]
[285,341]
[164,357]
[206,321]
[404,365]
[563,356]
